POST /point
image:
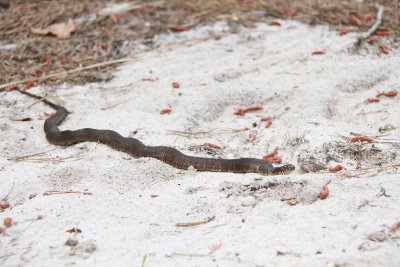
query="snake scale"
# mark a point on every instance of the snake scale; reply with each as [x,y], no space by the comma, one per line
[137,149]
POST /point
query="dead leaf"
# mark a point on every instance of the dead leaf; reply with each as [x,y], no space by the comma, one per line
[19,118]
[61,30]
[377,236]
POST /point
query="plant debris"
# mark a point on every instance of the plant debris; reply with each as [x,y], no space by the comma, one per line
[25,26]
[61,30]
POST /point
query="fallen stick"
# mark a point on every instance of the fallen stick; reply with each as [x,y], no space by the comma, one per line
[367,34]
[101,64]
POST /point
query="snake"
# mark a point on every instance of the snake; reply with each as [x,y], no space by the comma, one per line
[137,149]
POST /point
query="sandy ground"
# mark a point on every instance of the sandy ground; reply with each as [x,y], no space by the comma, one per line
[131,207]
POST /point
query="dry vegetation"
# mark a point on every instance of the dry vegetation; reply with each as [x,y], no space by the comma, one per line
[104,37]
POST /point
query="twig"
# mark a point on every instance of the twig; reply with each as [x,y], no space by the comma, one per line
[284,253]
[367,170]
[5,198]
[41,98]
[374,171]
[101,64]
[190,255]
[57,158]
[30,155]
[347,138]
[371,112]
[209,219]
[367,34]
[65,73]
[56,192]
[36,101]
[114,105]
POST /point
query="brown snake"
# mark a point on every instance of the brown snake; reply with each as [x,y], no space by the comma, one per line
[137,149]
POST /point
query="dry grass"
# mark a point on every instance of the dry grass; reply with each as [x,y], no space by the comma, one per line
[94,30]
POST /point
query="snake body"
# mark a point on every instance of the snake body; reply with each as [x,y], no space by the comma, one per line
[166,154]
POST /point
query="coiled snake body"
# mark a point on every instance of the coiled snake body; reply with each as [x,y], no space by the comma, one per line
[168,155]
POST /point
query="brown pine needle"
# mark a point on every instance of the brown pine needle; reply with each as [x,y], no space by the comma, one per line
[209,219]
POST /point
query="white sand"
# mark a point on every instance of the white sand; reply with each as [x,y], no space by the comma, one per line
[316,99]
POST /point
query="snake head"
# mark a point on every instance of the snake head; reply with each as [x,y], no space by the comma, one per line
[283,170]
